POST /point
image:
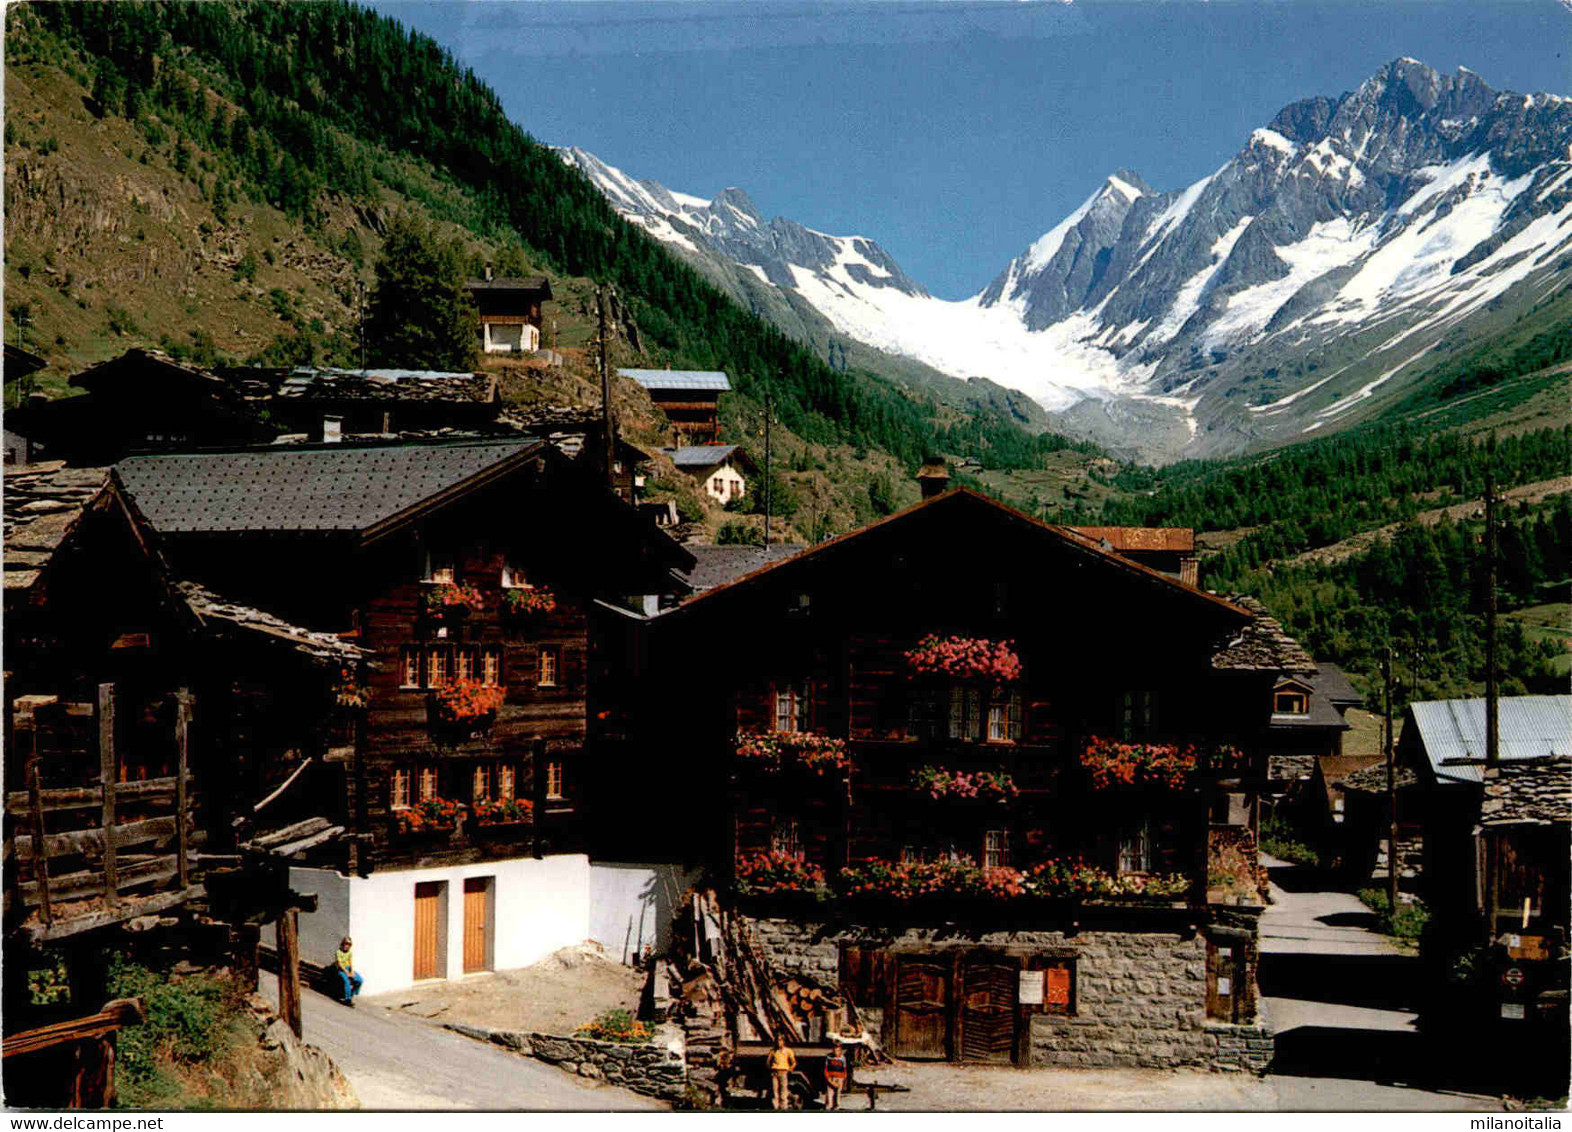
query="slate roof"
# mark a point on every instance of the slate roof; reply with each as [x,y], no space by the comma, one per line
[708,380]
[700,455]
[1372,780]
[1528,793]
[326,384]
[325,488]
[1177,539]
[140,359]
[506,283]
[1452,732]
[214,611]
[717,565]
[1263,645]
[42,504]
[1322,713]
[1331,683]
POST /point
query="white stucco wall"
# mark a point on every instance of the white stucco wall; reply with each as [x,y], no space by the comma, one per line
[733,486]
[540,907]
[631,906]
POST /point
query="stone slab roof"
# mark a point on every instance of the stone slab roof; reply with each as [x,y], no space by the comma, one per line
[718,565]
[42,503]
[1372,779]
[1528,793]
[216,612]
[1263,645]
[325,384]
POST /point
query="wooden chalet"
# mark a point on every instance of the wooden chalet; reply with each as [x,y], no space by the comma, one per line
[689,398]
[510,312]
[467,572]
[721,469]
[961,706]
[1169,550]
[144,714]
[324,403]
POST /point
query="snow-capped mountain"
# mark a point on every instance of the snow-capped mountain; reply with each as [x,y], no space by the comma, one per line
[1346,246]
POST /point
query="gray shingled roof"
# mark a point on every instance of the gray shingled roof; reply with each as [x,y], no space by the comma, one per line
[511,283]
[317,384]
[718,565]
[678,379]
[1452,732]
[326,488]
[700,455]
[1263,645]
[1528,793]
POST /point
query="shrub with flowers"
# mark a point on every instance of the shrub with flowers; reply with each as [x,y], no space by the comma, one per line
[910,880]
[430,815]
[466,702]
[528,601]
[1110,763]
[774,873]
[819,753]
[449,598]
[982,785]
[1078,880]
[616,1026]
[965,658]
[348,692]
[504,811]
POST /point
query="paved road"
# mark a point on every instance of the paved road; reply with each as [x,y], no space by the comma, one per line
[395,1062]
[1340,998]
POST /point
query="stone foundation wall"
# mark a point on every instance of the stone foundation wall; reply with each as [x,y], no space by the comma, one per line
[658,1069]
[1140,996]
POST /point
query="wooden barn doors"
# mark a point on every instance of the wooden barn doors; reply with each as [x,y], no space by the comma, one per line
[922,1005]
[477,924]
[428,930]
[986,1014]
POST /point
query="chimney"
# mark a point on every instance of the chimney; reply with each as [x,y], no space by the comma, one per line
[933,477]
[488,273]
[332,430]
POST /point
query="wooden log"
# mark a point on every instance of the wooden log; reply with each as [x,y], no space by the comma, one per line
[115,1014]
[289,970]
[288,782]
[65,928]
[93,842]
[108,772]
[85,797]
[76,886]
[309,842]
[41,860]
[182,740]
[290,833]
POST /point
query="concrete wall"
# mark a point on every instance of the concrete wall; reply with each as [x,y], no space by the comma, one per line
[535,907]
[631,906]
[1140,996]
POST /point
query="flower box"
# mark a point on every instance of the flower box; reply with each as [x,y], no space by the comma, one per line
[779,874]
[463,708]
[528,601]
[448,601]
[965,658]
[775,750]
[916,880]
[964,786]
[433,816]
[504,814]
[1078,880]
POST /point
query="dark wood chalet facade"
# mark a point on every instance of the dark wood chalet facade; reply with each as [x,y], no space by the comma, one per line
[944,713]
[467,573]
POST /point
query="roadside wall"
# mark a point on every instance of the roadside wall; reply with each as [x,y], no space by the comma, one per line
[631,906]
[1140,996]
[656,1069]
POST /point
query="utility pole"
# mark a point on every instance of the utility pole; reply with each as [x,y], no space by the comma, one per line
[607,434]
[1492,692]
[766,470]
[360,318]
[1391,789]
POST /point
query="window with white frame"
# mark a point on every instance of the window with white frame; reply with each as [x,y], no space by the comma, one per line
[996,848]
[786,836]
[427,782]
[480,783]
[1004,718]
[440,568]
[491,666]
[398,788]
[1135,847]
[554,783]
[791,707]
[507,788]
[550,666]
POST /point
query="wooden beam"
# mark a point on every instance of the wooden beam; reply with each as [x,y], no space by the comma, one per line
[84,797]
[114,1015]
[78,885]
[108,772]
[182,741]
[290,833]
[64,929]
[93,841]
[288,782]
[309,842]
[289,970]
[40,859]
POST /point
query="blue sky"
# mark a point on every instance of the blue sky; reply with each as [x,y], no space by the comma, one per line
[953,132]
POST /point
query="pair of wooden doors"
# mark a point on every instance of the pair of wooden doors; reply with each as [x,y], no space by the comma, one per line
[956,1006]
[429,927]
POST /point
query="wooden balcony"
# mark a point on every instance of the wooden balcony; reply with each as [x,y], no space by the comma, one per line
[83,856]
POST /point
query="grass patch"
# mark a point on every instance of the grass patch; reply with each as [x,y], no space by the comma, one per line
[1408,921]
[1283,840]
[194,1029]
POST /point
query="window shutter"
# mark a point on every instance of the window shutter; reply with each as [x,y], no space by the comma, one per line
[957,712]
[1015,716]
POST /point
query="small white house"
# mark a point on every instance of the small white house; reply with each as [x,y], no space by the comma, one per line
[722,468]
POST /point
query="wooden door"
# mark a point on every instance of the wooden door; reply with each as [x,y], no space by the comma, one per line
[922,1006]
[475,891]
[987,1008]
[428,900]
[1219,982]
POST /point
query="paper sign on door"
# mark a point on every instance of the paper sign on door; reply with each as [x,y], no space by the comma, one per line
[1058,991]
[1029,989]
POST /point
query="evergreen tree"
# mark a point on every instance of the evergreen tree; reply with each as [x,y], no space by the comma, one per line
[421,316]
